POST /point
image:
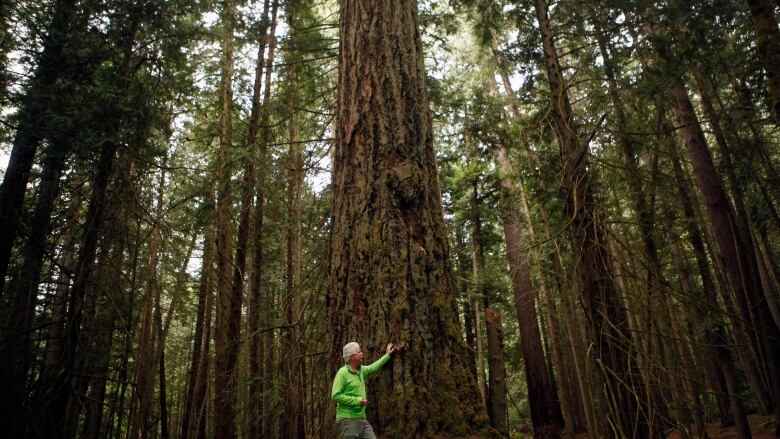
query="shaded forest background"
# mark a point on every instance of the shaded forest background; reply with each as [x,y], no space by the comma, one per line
[602,216]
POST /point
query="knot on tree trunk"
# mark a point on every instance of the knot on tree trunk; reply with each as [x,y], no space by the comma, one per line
[404,181]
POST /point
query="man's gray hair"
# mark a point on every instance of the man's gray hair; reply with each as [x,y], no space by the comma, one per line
[349,350]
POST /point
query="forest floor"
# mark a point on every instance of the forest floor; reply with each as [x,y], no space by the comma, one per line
[760,426]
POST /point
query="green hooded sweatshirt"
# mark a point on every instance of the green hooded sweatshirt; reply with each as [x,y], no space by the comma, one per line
[350,387]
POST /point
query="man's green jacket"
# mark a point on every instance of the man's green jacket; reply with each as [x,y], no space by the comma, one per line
[350,387]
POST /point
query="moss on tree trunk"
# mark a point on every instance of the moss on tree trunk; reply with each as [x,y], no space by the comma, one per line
[390,279]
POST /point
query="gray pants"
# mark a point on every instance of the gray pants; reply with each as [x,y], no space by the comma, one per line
[355,429]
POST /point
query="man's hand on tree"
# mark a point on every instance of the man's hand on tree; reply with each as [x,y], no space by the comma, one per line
[390,349]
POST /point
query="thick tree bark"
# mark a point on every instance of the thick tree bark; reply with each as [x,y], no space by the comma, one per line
[606,317]
[390,279]
[768,41]
[546,412]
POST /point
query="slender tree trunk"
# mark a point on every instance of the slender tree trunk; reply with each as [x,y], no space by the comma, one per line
[66,22]
[715,335]
[144,378]
[606,318]
[189,417]
[734,256]
[545,411]
[468,310]
[102,342]
[565,388]
[390,279]
[768,42]
[53,348]
[15,350]
[259,123]
[160,359]
[128,328]
[582,393]
[199,400]
[96,362]
[225,342]
[63,385]
[737,190]
[496,387]
[291,422]
[482,381]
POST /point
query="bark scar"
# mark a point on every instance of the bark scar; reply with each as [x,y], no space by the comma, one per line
[367,90]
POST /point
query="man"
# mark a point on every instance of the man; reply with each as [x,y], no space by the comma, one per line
[349,392]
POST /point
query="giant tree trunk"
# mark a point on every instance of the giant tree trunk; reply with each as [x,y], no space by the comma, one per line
[390,279]
[545,410]
[606,317]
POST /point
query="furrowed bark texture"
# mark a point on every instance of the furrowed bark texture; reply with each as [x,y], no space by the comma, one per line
[607,319]
[390,279]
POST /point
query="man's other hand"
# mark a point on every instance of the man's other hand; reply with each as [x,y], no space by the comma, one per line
[363,402]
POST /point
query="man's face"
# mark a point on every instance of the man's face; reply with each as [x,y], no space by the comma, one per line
[357,357]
